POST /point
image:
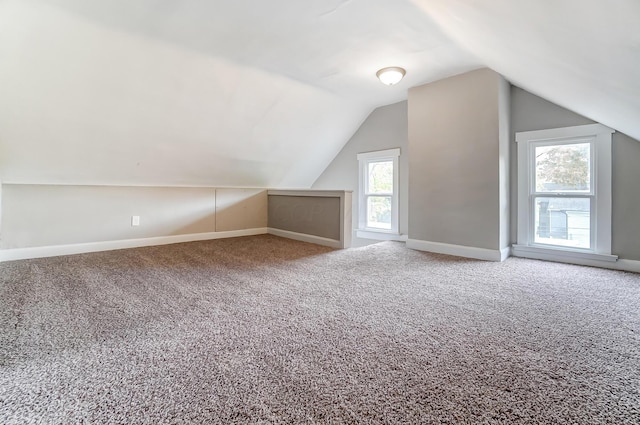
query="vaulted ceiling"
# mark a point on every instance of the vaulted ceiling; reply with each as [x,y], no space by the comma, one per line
[265,93]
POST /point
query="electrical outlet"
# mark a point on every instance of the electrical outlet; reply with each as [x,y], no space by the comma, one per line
[135,220]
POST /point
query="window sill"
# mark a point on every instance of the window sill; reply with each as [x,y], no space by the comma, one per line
[559,254]
[380,236]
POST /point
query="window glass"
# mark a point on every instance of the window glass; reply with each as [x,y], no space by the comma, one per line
[379,212]
[380,177]
[563,168]
[563,221]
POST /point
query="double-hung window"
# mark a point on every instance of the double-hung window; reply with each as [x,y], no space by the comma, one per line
[564,193]
[378,193]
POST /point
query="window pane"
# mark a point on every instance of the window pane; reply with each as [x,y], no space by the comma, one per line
[563,168]
[380,177]
[379,212]
[563,221]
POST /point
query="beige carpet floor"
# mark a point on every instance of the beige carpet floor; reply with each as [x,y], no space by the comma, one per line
[267,330]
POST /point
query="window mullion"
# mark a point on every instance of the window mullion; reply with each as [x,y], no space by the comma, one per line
[562,195]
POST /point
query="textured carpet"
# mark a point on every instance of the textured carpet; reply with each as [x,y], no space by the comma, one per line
[268,330]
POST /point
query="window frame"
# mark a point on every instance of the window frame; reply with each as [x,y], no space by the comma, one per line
[364,159]
[599,137]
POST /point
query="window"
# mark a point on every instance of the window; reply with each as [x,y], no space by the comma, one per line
[378,193]
[564,192]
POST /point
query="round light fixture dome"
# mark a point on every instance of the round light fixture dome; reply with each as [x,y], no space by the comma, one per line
[391,75]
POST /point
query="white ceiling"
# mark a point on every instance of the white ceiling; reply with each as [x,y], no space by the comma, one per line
[265,93]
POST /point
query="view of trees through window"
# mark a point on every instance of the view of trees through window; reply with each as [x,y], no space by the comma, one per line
[563,168]
[379,193]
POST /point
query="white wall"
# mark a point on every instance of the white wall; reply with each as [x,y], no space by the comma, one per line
[384,128]
[82,102]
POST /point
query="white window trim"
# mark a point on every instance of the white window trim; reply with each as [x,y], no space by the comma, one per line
[601,167]
[363,160]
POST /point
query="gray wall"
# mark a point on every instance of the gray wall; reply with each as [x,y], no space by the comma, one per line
[457,143]
[44,215]
[530,112]
[384,128]
[318,216]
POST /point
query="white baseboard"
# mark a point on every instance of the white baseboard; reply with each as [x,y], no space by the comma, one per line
[505,253]
[628,265]
[333,243]
[459,250]
[81,248]
[593,260]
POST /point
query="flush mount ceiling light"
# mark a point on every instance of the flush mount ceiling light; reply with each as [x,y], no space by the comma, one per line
[391,75]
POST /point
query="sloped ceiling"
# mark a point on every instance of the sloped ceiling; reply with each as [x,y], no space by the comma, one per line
[265,93]
[583,55]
